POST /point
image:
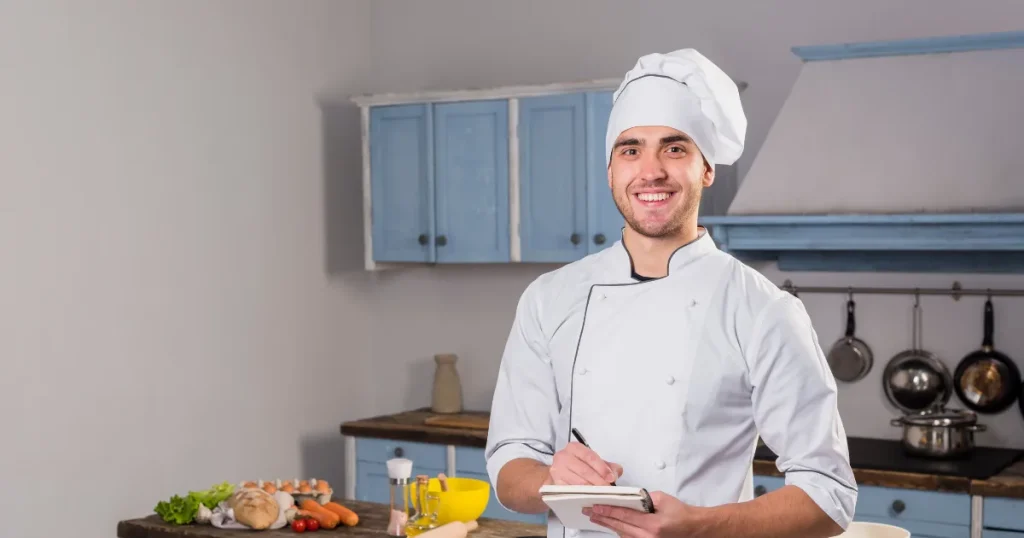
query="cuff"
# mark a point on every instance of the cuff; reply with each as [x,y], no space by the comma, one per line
[506,453]
[835,499]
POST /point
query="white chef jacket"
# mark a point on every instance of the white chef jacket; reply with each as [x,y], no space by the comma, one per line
[672,378]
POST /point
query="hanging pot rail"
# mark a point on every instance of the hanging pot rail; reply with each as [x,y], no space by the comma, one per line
[955,291]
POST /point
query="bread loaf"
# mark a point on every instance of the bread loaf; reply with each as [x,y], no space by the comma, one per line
[254,508]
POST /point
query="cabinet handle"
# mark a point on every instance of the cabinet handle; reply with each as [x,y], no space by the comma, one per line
[423,239]
[599,239]
[442,240]
[399,452]
[898,506]
[575,238]
[760,490]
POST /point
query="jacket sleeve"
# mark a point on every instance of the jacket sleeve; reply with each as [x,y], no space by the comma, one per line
[525,405]
[796,408]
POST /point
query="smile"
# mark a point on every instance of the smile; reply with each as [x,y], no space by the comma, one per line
[654,196]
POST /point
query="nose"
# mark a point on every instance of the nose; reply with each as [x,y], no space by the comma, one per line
[651,167]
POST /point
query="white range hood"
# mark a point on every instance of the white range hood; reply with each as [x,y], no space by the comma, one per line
[903,155]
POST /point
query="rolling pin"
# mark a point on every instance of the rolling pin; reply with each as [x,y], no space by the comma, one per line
[455,529]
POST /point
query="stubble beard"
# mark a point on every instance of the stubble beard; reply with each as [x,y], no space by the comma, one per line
[671,227]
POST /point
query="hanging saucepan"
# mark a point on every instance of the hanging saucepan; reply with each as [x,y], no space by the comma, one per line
[850,359]
[915,379]
[986,380]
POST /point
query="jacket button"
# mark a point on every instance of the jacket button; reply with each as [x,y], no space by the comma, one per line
[670,380]
[583,371]
[660,465]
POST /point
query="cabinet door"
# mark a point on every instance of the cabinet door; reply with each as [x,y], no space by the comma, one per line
[552,178]
[604,221]
[402,183]
[471,178]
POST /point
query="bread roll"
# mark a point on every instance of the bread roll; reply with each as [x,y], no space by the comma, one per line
[254,508]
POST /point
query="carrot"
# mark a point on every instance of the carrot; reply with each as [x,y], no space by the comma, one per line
[325,517]
[347,516]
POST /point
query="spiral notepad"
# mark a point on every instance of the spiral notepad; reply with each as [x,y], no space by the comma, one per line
[568,502]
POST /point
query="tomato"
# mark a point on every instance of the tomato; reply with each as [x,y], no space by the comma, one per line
[312,524]
[299,525]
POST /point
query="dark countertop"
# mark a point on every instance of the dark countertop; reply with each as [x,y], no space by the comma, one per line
[881,465]
[373,520]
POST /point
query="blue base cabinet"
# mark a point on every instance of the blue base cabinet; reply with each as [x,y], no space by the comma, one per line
[470,463]
[926,514]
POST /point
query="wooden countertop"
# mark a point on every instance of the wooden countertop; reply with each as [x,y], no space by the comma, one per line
[410,426]
[373,520]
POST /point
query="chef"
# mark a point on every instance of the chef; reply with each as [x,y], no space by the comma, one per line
[669,356]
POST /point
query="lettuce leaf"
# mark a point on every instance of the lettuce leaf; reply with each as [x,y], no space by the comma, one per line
[179,510]
[213,496]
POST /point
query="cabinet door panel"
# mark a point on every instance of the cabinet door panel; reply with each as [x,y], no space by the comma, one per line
[471,179]
[402,183]
[604,222]
[552,155]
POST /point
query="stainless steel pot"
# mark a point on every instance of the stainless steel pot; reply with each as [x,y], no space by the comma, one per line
[938,432]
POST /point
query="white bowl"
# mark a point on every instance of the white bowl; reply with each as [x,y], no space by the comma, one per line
[866,529]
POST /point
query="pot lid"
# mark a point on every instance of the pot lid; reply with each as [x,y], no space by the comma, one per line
[940,416]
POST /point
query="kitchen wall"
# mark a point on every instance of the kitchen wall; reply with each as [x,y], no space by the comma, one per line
[446,44]
[179,303]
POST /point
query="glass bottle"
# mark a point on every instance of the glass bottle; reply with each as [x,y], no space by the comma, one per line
[426,507]
[399,472]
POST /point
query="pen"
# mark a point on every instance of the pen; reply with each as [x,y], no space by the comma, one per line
[579,437]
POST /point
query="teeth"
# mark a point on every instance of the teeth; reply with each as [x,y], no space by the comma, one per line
[653,196]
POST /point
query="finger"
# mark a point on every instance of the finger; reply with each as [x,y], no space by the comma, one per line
[588,456]
[616,468]
[568,477]
[587,472]
[620,527]
[618,513]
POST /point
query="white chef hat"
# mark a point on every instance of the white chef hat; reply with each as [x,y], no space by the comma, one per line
[685,91]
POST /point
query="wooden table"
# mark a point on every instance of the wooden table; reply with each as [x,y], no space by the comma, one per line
[373,520]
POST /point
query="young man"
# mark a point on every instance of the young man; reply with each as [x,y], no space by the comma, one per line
[668,355]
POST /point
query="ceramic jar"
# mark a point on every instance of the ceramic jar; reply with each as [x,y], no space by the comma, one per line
[447,397]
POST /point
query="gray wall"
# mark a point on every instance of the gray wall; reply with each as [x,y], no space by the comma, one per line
[174,308]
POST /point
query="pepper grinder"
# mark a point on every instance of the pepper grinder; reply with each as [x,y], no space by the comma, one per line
[399,472]
[447,397]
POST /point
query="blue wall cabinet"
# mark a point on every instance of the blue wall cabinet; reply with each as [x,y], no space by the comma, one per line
[439,182]
[552,178]
[402,183]
[566,209]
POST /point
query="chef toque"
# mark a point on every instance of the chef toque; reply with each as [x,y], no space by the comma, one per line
[685,91]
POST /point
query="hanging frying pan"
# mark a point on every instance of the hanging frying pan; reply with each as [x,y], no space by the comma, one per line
[916,379]
[850,359]
[986,380]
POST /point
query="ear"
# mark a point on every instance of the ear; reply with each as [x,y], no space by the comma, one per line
[709,175]
[609,176]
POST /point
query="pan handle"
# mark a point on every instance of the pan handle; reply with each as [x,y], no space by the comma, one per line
[896,422]
[977,427]
[851,323]
[986,342]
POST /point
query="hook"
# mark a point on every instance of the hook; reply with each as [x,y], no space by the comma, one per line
[849,290]
[988,293]
[917,297]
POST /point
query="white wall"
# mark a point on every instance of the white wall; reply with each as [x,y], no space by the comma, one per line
[179,304]
[446,44]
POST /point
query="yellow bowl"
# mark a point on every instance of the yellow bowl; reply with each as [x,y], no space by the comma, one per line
[465,500]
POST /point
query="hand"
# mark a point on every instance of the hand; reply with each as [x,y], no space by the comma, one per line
[671,518]
[577,465]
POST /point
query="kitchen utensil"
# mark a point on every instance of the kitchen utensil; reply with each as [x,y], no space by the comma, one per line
[915,379]
[869,529]
[465,500]
[850,359]
[938,432]
[463,420]
[426,504]
[986,380]
[399,472]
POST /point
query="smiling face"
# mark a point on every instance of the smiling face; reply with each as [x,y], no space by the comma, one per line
[656,176]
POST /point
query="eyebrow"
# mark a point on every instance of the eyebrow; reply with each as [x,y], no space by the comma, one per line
[665,140]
